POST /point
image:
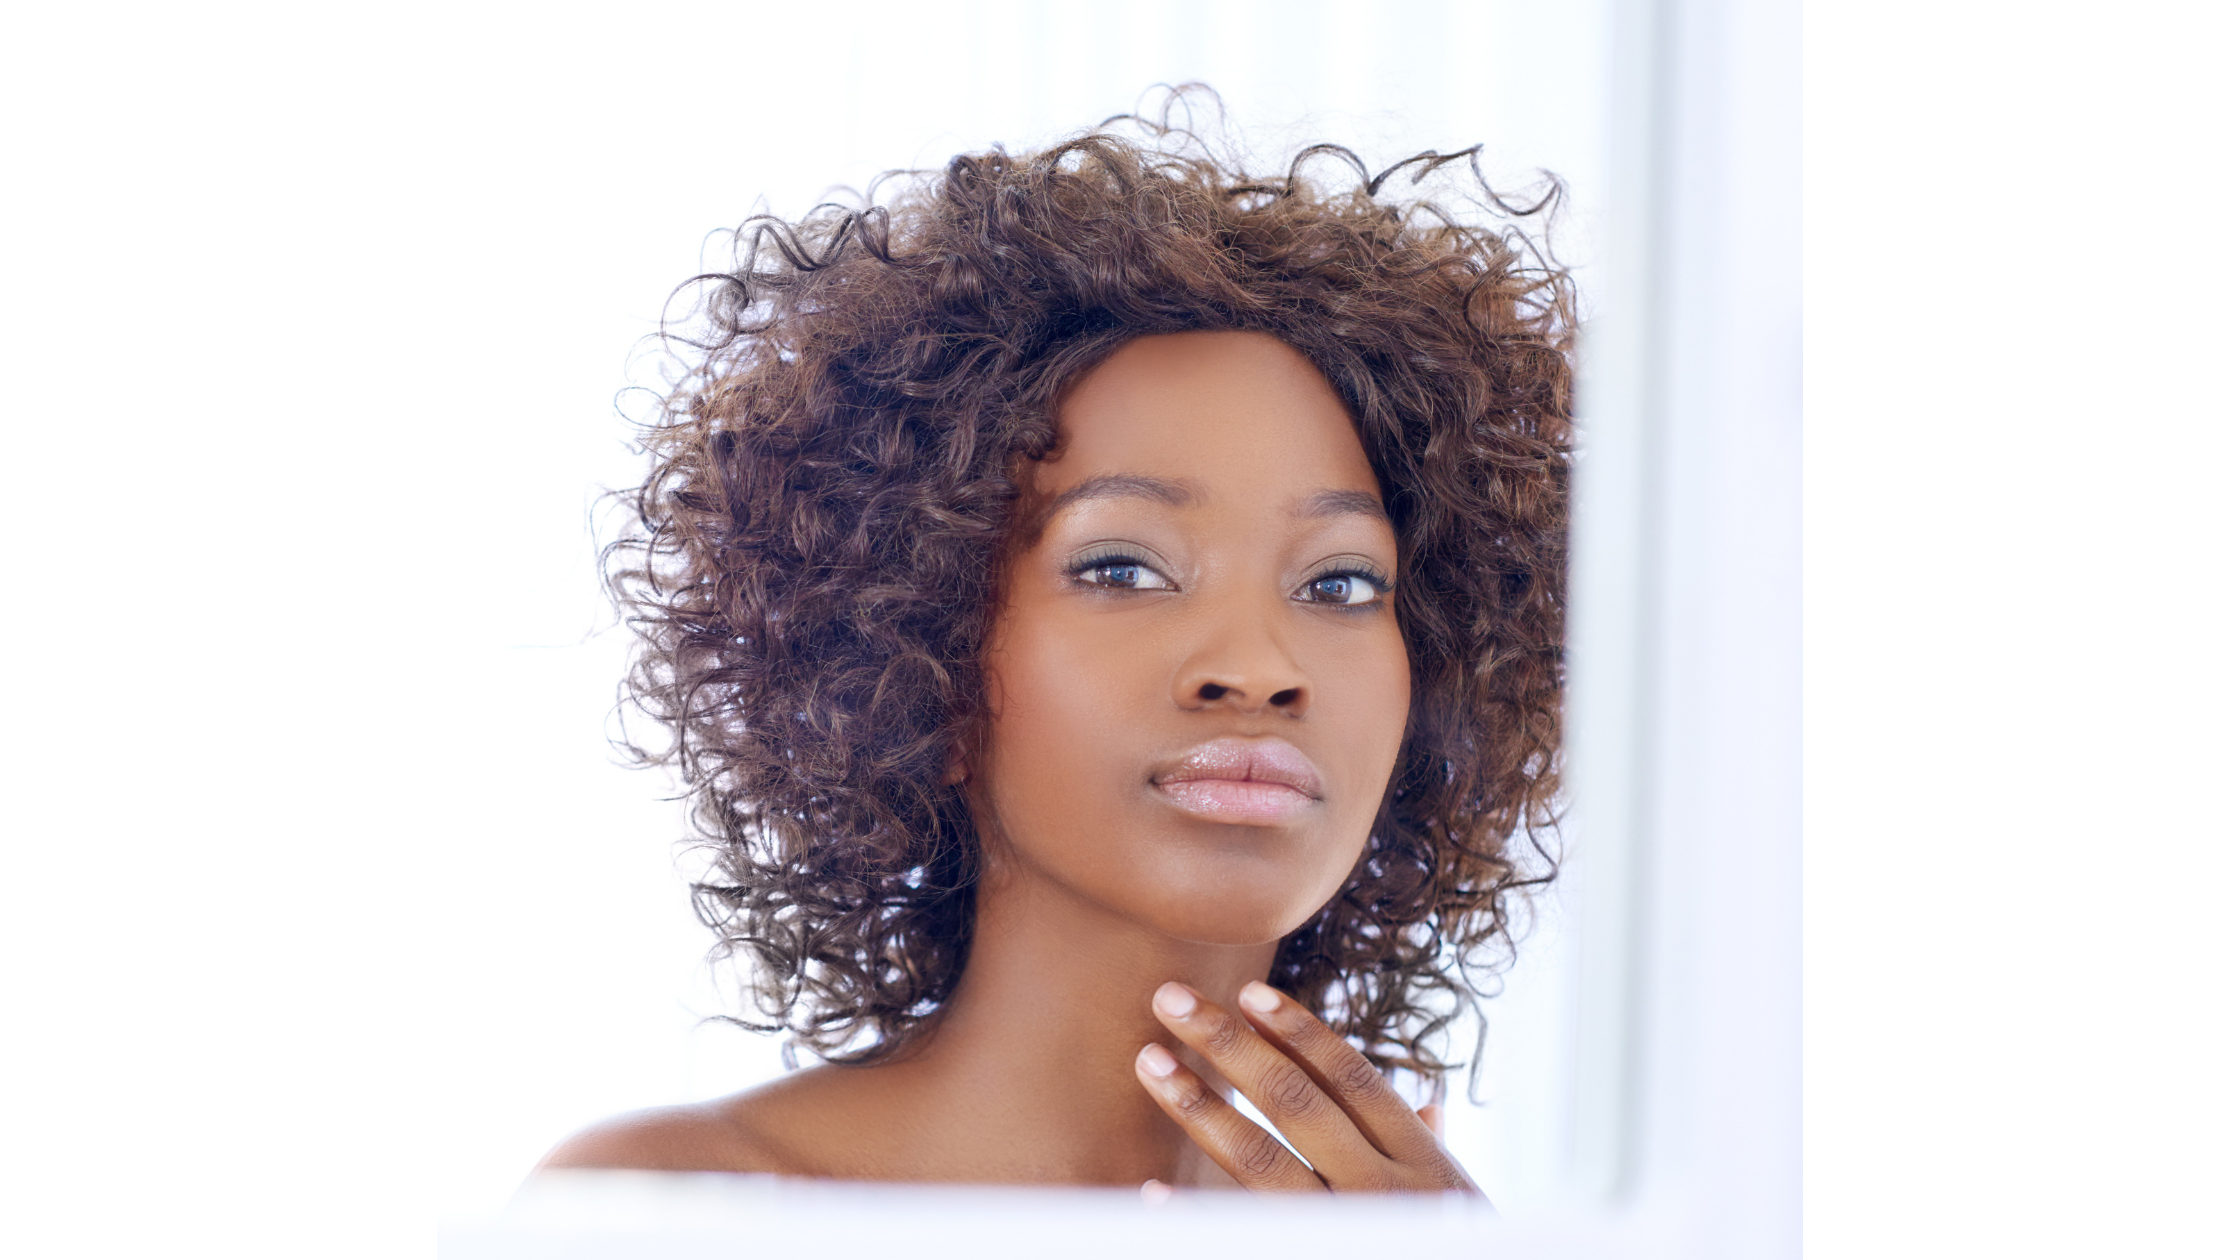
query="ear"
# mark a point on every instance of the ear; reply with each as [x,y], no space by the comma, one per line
[956,771]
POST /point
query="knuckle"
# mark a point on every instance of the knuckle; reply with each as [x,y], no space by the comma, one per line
[1358,1080]
[1223,1035]
[1196,1101]
[1259,1155]
[1289,1093]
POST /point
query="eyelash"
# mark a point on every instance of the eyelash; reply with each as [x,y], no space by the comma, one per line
[1082,569]
[1377,581]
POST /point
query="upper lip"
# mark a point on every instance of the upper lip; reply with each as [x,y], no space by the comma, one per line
[1264,759]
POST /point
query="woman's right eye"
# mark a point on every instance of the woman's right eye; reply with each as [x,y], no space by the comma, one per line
[1122,575]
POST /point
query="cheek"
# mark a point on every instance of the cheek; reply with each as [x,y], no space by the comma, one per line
[1060,707]
[1365,693]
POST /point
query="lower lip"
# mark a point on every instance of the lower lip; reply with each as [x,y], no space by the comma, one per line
[1236,801]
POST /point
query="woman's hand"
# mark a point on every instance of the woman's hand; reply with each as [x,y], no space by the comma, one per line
[1333,1105]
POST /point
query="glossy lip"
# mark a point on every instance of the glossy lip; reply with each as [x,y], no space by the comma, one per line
[1259,781]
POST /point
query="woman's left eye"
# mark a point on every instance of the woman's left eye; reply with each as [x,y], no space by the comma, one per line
[1340,588]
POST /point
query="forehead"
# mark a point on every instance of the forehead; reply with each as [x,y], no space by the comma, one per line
[1239,413]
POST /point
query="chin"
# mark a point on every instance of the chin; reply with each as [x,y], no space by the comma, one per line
[1230,912]
[1226,927]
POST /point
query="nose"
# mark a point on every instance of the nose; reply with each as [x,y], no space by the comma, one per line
[1242,664]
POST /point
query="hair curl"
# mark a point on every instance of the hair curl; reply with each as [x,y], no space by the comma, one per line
[813,557]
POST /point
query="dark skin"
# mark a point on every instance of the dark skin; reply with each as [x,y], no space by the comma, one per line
[1197,692]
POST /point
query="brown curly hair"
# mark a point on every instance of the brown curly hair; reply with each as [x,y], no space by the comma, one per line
[812,563]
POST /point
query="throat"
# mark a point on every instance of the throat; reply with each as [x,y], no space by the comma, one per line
[1029,1075]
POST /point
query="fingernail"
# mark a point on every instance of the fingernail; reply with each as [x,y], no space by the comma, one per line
[1156,1192]
[1155,1060]
[1261,998]
[1174,1001]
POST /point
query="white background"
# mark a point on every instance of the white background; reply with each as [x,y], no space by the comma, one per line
[2021,1022]
[314,318]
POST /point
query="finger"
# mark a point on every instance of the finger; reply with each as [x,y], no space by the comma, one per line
[1434,1119]
[1291,1099]
[1243,1149]
[1348,1079]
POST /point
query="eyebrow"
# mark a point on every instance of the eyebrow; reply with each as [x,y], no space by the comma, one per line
[1126,486]
[1342,503]
[1172,493]
[1114,486]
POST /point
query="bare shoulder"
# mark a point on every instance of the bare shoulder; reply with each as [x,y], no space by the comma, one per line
[697,1138]
[771,1129]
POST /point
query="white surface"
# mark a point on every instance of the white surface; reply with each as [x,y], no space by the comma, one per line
[633,1215]
[2021,451]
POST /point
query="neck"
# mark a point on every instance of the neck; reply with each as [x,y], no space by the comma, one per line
[1031,1069]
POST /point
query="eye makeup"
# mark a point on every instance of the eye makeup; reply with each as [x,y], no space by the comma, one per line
[1346,583]
[1118,568]
[1344,588]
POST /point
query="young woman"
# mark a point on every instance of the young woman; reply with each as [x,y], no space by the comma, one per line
[1108,611]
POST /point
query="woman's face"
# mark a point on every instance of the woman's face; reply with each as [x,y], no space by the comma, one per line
[1196,684]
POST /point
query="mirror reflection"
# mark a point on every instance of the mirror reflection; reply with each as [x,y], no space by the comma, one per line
[1162,588]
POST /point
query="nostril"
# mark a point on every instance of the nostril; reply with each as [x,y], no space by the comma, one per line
[1212,691]
[1285,698]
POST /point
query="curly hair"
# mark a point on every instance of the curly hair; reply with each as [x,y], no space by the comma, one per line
[811,564]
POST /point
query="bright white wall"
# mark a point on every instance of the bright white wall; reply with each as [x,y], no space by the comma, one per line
[2021,448]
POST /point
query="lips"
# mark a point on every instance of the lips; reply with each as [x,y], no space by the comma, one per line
[1253,781]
